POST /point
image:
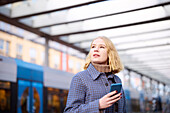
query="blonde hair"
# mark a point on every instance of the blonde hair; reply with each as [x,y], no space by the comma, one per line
[113,57]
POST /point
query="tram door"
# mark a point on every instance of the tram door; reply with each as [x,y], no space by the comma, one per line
[30,98]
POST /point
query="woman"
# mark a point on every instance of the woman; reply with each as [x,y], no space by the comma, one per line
[90,89]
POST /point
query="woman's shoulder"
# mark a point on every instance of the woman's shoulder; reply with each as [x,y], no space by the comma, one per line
[80,74]
[117,78]
[80,77]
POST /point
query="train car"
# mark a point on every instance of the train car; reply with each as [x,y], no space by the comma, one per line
[30,88]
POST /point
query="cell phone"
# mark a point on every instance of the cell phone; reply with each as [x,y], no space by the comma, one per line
[116,86]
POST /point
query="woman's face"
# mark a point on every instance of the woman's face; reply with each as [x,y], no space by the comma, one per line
[98,52]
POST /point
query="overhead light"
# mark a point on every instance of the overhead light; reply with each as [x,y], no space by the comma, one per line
[145,50]
[126,18]
[82,38]
[144,43]
[151,54]
[143,28]
[140,37]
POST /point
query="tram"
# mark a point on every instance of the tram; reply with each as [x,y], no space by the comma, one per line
[31,88]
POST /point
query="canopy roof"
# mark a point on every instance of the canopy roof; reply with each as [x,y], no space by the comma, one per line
[139,29]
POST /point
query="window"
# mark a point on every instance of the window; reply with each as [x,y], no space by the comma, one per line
[161,89]
[56,100]
[7,48]
[20,32]
[1,44]
[146,84]
[154,86]
[64,61]
[56,61]
[43,57]
[70,65]
[53,100]
[19,51]
[5,95]
[126,79]
[4,47]
[2,25]
[135,80]
[33,55]
[7,27]
[78,66]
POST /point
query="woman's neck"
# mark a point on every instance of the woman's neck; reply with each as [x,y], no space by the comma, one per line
[101,67]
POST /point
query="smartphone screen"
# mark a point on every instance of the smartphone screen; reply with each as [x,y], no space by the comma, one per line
[116,86]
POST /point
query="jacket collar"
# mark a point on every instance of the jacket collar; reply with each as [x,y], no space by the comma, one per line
[93,72]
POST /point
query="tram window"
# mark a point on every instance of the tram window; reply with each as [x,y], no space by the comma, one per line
[56,100]
[5,95]
[36,101]
[65,92]
[53,98]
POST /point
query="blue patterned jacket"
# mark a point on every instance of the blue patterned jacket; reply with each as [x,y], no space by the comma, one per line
[87,87]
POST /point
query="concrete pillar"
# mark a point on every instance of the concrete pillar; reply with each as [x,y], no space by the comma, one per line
[151,85]
[142,82]
[164,89]
[158,87]
[46,52]
[129,81]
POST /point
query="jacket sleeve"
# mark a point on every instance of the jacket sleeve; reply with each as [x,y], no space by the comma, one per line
[76,99]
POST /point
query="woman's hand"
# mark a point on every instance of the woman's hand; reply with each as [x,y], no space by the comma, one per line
[107,100]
